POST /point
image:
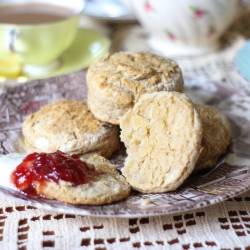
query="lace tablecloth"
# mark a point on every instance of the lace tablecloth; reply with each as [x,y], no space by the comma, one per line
[222,226]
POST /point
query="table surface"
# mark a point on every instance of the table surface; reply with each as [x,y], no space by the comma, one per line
[222,226]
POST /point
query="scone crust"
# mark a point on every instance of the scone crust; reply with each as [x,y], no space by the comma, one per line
[162,134]
[69,126]
[216,136]
[106,188]
[117,81]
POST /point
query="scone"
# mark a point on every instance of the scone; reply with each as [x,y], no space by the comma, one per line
[216,136]
[66,178]
[162,134]
[105,188]
[116,82]
[70,127]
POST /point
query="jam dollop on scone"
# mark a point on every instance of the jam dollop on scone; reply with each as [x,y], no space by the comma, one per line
[162,134]
[69,179]
[70,127]
[117,81]
[215,138]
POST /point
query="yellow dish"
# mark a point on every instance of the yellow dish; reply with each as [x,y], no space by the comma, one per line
[10,67]
[88,46]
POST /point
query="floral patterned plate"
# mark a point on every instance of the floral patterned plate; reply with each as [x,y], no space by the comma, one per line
[230,177]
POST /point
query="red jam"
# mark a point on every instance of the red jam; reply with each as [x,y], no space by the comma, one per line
[42,167]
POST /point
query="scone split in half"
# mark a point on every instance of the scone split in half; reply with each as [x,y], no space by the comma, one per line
[70,127]
[162,134]
[66,178]
[115,82]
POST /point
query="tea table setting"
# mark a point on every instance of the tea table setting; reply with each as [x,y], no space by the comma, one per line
[210,43]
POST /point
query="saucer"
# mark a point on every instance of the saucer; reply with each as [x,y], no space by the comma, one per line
[242,61]
[108,10]
[88,46]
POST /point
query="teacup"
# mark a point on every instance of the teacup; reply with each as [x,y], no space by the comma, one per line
[184,27]
[38,31]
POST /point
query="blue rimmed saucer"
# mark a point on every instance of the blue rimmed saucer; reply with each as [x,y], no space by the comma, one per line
[242,61]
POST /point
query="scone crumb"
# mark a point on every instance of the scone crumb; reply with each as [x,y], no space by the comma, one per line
[146,202]
[63,190]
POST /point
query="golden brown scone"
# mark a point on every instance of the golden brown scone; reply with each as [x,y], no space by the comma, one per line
[70,127]
[216,136]
[105,188]
[117,81]
[162,133]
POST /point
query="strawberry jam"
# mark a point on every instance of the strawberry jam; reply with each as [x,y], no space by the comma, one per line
[42,167]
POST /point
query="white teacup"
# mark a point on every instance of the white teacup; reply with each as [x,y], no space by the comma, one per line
[184,27]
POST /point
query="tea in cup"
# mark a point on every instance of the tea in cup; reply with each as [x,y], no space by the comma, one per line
[37,32]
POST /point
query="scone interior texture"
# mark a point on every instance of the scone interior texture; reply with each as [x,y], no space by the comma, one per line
[70,127]
[117,81]
[105,188]
[162,133]
[216,136]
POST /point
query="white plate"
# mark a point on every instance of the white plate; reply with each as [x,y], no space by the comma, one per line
[230,178]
